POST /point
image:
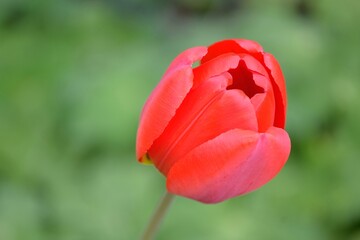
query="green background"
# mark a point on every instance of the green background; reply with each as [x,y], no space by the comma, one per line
[75,74]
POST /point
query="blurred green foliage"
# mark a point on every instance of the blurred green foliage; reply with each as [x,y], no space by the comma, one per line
[75,74]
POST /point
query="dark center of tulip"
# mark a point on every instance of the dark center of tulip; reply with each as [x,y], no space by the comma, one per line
[243,80]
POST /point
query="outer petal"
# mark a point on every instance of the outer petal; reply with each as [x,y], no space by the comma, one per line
[232,164]
[279,87]
[249,45]
[207,112]
[213,171]
[186,58]
[272,152]
[231,46]
[166,98]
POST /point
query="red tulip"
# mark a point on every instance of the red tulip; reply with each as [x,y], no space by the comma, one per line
[216,130]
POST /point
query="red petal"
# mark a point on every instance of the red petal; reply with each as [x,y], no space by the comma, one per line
[264,103]
[230,165]
[279,87]
[213,171]
[222,47]
[270,156]
[249,45]
[254,64]
[186,58]
[207,112]
[231,46]
[215,67]
[166,98]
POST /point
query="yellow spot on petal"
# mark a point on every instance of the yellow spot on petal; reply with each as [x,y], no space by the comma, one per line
[146,160]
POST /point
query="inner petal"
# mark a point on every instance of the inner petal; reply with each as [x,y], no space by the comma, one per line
[243,80]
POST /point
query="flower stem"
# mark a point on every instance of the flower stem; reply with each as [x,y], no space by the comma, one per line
[156,219]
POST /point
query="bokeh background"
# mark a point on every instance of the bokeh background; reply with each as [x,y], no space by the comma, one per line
[75,74]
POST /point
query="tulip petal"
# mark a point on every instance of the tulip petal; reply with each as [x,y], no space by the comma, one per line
[186,58]
[231,46]
[166,98]
[243,75]
[194,104]
[279,87]
[264,103]
[207,112]
[232,164]
[253,64]
[212,172]
[220,48]
[249,45]
[273,151]
[252,77]
[215,67]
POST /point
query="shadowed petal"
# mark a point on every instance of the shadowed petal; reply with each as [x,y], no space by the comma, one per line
[253,64]
[165,99]
[279,87]
[264,103]
[251,76]
[231,164]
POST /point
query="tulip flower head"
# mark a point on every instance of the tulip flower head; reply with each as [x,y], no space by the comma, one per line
[216,130]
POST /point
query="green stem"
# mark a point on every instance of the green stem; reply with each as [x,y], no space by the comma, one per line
[156,219]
